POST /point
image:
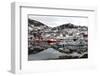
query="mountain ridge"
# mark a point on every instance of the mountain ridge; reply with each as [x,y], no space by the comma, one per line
[60,27]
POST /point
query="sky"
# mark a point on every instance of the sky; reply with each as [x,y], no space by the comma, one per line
[54,21]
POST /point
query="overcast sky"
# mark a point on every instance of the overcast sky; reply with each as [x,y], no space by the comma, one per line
[54,21]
